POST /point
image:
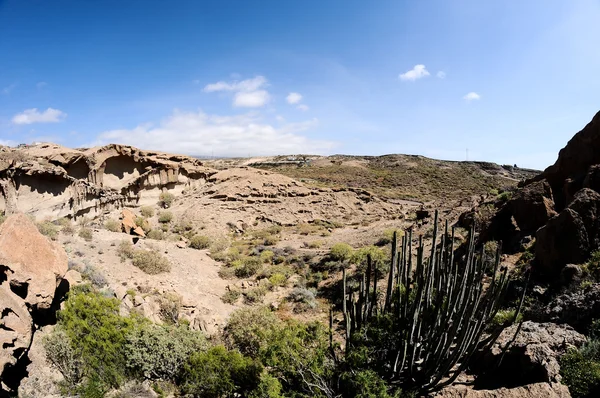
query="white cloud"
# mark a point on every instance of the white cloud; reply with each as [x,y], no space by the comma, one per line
[418,72]
[244,85]
[472,96]
[441,74]
[251,99]
[197,133]
[29,116]
[303,107]
[249,93]
[293,98]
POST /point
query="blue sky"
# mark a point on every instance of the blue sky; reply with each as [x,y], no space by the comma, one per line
[511,81]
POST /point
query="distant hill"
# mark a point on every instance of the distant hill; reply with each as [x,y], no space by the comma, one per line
[408,177]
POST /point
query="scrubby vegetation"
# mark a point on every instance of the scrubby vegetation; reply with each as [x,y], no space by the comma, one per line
[166,199]
[151,261]
[86,233]
[580,369]
[112,225]
[48,229]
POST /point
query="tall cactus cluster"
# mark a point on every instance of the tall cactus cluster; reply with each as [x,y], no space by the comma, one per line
[423,328]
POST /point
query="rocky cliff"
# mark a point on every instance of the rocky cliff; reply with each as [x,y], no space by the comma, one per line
[48,180]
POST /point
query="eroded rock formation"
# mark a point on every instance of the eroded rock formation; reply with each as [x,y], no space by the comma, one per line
[49,180]
[31,270]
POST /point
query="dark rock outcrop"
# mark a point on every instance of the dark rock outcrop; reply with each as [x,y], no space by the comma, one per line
[570,236]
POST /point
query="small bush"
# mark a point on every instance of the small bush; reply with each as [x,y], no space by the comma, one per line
[227,273]
[125,250]
[593,265]
[169,307]
[48,229]
[255,295]
[250,330]
[231,296]
[165,217]
[340,252]
[156,234]
[93,275]
[151,262]
[278,279]
[270,240]
[147,211]
[112,225]
[159,351]
[304,298]
[505,317]
[86,234]
[63,356]
[315,244]
[266,256]
[250,266]
[581,374]
[200,242]
[166,199]
[220,373]
[504,196]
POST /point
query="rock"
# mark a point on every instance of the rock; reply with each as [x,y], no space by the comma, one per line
[571,273]
[532,206]
[571,236]
[534,390]
[35,264]
[575,308]
[181,245]
[128,224]
[73,277]
[15,327]
[531,358]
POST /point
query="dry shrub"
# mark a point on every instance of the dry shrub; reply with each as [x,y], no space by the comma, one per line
[151,262]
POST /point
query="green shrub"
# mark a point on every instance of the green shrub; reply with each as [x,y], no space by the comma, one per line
[48,229]
[156,234]
[341,252]
[581,374]
[379,258]
[505,317]
[255,295]
[112,225]
[504,196]
[315,244]
[86,233]
[249,267]
[278,279]
[159,352]
[366,384]
[165,217]
[270,240]
[266,256]
[166,199]
[61,353]
[227,273]
[169,307]
[147,211]
[249,330]
[151,261]
[200,242]
[125,250]
[231,296]
[97,333]
[268,387]
[593,265]
[219,372]
[304,298]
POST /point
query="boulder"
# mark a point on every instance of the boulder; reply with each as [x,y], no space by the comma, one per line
[571,236]
[531,358]
[535,390]
[575,308]
[532,206]
[128,224]
[15,327]
[35,264]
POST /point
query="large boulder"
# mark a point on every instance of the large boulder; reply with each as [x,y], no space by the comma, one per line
[15,327]
[577,308]
[535,390]
[570,236]
[128,224]
[34,264]
[531,358]
[532,206]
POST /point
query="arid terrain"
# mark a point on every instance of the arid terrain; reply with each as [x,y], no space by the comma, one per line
[184,241]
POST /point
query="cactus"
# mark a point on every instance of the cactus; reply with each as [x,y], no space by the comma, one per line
[439,307]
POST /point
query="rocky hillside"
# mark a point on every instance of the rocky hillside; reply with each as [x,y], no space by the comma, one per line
[393,176]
